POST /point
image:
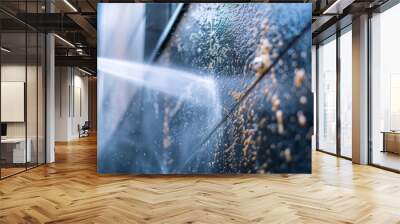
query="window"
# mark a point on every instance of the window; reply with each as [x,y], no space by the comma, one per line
[385,89]
[327,96]
[346,93]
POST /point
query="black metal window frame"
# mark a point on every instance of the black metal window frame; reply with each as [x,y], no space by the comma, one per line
[387,5]
[334,37]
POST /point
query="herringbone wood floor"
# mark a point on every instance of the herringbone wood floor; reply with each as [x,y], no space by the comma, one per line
[70,191]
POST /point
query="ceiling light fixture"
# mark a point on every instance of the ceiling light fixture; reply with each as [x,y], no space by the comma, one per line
[5,50]
[84,71]
[64,40]
[70,5]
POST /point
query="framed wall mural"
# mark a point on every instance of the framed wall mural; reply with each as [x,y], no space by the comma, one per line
[219,88]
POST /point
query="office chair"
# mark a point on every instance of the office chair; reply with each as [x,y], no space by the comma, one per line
[84,130]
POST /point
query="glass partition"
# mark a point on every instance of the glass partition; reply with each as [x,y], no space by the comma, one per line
[327,96]
[15,151]
[31,100]
[22,91]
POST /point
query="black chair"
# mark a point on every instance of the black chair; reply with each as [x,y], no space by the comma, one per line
[84,130]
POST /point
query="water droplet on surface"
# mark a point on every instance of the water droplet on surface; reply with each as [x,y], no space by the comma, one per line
[299,76]
[301,118]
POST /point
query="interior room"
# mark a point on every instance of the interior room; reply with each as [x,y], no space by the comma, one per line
[279,112]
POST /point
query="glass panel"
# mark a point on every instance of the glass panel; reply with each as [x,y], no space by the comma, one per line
[346,94]
[385,84]
[22,90]
[13,91]
[32,87]
[41,99]
[327,96]
[32,95]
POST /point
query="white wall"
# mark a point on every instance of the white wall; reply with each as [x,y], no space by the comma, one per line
[33,127]
[12,73]
[71,93]
[61,103]
[80,100]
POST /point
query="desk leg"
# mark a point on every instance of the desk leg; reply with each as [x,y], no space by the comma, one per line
[384,142]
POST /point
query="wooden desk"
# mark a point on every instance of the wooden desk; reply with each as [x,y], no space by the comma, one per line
[391,141]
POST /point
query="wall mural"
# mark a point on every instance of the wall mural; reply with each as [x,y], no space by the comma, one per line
[229,92]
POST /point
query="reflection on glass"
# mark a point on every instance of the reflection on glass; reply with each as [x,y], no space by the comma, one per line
[385,84]
[327,96]
[346,94]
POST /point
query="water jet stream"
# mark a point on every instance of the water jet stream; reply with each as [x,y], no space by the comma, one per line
[183,87]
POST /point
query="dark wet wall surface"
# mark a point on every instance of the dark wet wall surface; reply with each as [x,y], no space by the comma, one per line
[245,106]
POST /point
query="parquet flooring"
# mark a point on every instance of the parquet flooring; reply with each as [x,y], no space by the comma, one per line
[70,191]
[10,171]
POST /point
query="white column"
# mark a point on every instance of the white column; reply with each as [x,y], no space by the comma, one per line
[360,90]
[50,92]
[50,98]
